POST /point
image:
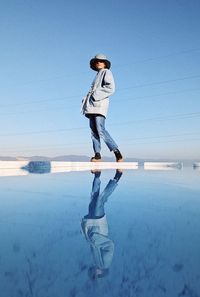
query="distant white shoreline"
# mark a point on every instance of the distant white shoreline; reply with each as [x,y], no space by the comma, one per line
[17,168]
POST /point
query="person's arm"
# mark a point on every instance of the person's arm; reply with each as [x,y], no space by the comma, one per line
[107,89]
[102,250]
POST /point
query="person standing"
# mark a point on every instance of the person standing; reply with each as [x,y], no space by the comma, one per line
[95,106]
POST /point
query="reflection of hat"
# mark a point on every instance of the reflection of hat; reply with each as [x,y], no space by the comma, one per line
[100,57]
[95,273]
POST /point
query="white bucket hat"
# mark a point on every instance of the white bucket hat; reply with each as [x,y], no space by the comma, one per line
[99,57]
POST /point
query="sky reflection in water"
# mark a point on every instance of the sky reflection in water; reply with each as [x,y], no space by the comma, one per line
[107,233]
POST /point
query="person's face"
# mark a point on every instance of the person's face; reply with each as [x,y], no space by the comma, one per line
[100,65]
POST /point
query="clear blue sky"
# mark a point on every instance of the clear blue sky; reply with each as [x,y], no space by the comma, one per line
[154,47]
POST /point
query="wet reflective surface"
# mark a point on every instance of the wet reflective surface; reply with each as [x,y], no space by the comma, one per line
[108,233]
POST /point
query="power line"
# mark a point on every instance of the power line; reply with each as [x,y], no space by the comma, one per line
[42,100]
[161,82]
[59,76]
[170,117]
[168,141]
[115,100]
[166,136]
[158,95]
[120,89]
[43,132]
[127,144]
[86,143]
[161,57]
[56,77]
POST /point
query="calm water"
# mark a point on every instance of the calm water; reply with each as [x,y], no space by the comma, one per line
[100,234]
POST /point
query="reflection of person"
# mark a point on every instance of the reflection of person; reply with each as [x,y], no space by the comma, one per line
[95,106]
[95,228]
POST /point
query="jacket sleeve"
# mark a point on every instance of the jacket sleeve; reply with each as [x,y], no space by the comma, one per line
[102,250]
[107,88]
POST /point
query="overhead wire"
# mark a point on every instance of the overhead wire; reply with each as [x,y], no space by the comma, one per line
[86,144]
[63,145]
[160,57]
[125,64]
[59,76]
[120,89]
[78,103]
[160,118]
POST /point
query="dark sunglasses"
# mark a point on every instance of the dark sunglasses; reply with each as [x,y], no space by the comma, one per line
[99,61]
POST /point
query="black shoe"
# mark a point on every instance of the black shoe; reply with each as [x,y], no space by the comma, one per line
[118,175]
[96,158]
[96,172]
[118,156]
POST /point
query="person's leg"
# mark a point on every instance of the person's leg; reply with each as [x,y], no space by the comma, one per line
[94,135]
[103,133]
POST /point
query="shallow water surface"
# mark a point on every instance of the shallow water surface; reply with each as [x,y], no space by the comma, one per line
[108,233]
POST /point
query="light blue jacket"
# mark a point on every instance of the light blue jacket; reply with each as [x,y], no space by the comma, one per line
[102,247]
[97,99]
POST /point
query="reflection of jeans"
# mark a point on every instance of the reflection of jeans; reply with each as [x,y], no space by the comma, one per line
[97,125]
[96,206]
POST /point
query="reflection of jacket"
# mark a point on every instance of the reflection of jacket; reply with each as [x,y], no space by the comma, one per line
[97,101]
[96,232]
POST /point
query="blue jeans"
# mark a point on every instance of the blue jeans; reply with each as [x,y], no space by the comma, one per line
[97,125]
